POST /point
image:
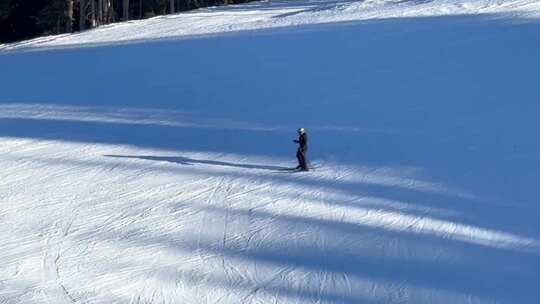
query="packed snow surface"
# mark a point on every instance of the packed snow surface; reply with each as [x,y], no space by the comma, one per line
[145,162]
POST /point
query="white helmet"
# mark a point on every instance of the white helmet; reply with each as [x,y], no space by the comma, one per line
[301,131]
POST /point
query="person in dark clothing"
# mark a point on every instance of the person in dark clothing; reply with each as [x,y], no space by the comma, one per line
[301,153]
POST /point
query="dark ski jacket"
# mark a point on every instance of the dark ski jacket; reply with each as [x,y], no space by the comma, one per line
[302,141]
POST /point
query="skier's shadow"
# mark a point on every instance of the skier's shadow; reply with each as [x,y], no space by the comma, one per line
[190,161]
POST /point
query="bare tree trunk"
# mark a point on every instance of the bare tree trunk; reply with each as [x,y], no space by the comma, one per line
[125,6]
[82,15]
[110,11]
[104,11]
[99,11]
[69,16]
[93,22]
[172,6]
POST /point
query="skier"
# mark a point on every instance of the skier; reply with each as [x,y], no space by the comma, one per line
[302,150]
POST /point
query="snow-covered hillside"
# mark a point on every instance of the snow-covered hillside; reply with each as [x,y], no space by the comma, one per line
[143,162]
[277,14]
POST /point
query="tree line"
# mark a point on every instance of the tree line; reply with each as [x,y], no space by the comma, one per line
[23,19]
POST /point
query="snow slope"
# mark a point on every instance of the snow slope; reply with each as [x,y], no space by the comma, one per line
[155,176]
[277,14]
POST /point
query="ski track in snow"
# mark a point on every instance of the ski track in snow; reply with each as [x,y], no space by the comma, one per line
[143,246]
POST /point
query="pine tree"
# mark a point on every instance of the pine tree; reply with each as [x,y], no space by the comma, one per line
[52,17]
[5,9]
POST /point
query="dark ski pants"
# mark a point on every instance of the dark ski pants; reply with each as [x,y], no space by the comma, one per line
[302,160]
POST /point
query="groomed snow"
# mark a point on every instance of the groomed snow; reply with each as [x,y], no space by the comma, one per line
[148,168]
